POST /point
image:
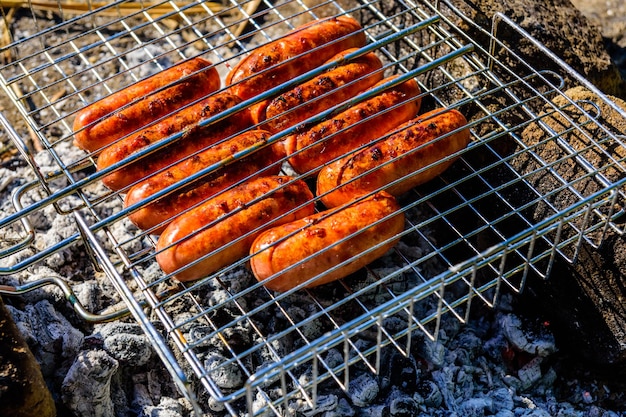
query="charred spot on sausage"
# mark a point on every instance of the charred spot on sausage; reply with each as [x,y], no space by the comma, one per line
[376,153]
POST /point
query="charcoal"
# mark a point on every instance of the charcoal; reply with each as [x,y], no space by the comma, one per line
[403,406]
[167,407]
[474,407]
[363,389]
[51,337]
[23,391]
[225,374]
[530,373]
[501,399]
[431,351]
[537,342]
[90,377]
[374,411]
[344,409]
[324,404]
[430,393]
[399,371]
[215,405]
[127,343]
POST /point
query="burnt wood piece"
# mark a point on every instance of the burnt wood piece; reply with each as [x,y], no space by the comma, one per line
[23,392]
[584,300]
[581,300]
[559,26]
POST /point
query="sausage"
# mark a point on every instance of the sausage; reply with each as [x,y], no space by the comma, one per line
[313,44]
[311,246]
[139,104]
[220,231]
[311,148]
[193,139]
[321,93]
[265,161]
[417,152]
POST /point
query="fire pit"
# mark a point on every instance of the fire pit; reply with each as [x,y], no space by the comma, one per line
[411,328]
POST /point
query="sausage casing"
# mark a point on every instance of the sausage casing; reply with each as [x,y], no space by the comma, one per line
[311,148]
[313,44]
[293,253]
[193,139]
[265,161]
[220,231]
[321,92]
[133,107]
[417,152]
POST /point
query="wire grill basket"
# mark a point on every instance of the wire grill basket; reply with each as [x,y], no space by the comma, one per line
[542,176]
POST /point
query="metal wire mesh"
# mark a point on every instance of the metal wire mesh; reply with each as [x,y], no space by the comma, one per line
[502,211]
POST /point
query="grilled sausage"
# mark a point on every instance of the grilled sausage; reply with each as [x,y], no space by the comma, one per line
[265,162]
[311,148]
[313,44]
[220,231]
[133,107]
[194,139]
[290,254]
[320,93]
[417,152]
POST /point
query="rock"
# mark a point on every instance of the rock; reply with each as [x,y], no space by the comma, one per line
[23,392]
[559,26]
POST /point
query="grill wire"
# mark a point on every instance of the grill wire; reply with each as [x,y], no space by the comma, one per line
[470,234]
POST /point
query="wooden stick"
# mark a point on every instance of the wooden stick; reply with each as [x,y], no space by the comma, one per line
[77,8]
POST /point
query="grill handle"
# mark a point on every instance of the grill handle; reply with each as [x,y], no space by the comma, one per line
[104,316]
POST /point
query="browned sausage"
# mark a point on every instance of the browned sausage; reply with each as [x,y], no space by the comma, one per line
[321,92]
[139,104]
[265,162]
[311,148]
[420,150]
[313,44]
[220,231]
[293,253]
[194,139]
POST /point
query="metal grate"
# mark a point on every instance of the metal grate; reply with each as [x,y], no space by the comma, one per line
[504,210]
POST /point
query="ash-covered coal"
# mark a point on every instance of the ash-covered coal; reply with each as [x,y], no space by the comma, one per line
[501,363]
